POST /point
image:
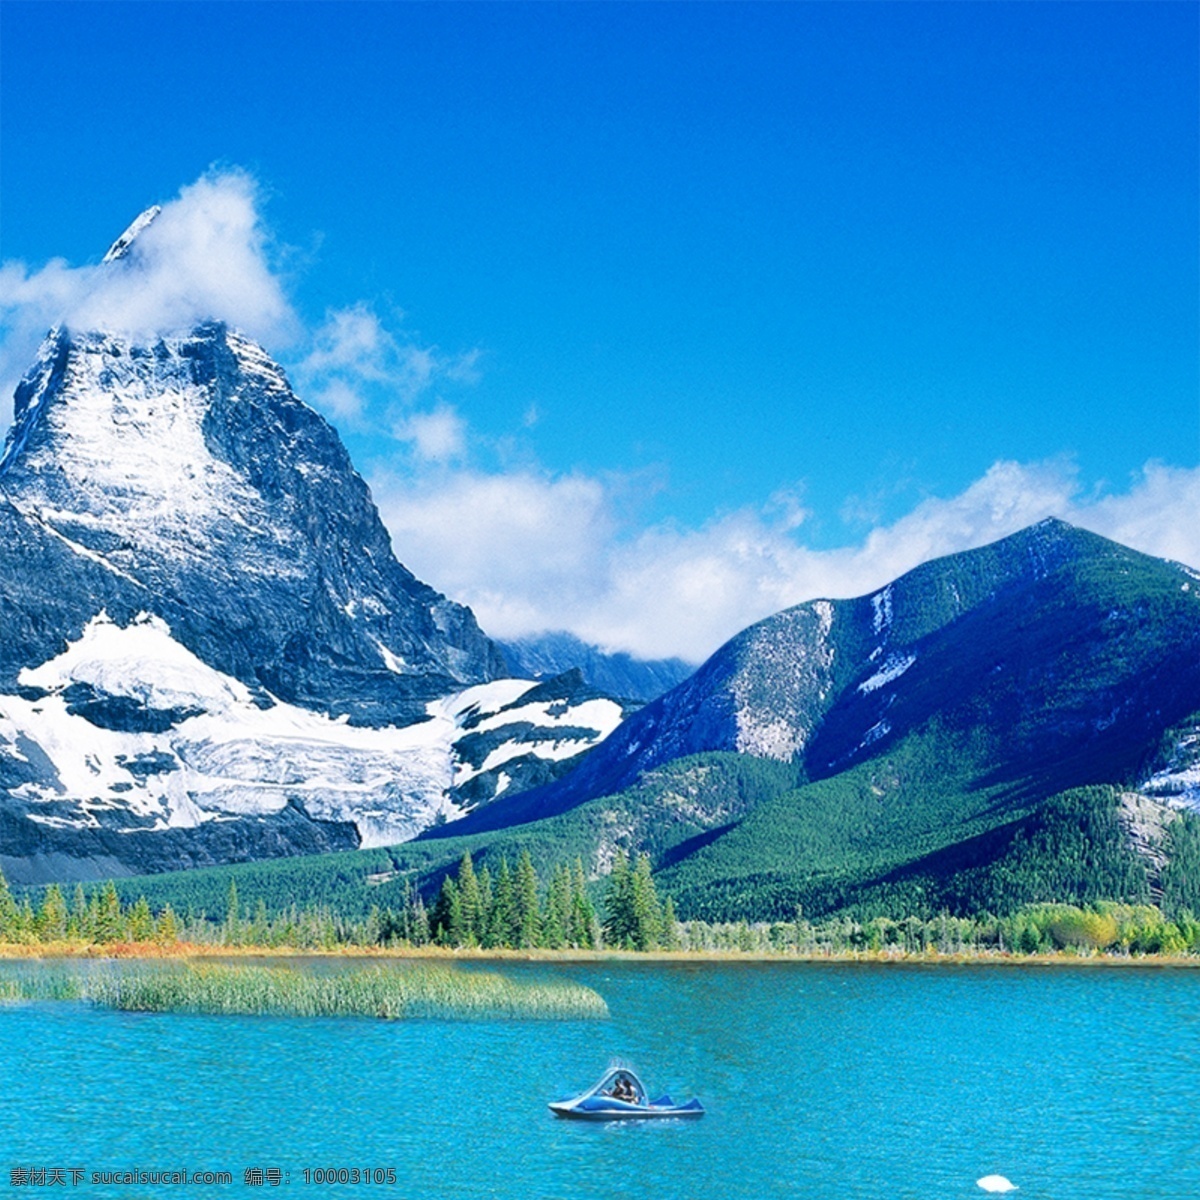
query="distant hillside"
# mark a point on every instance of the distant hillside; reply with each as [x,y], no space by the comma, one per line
[543,655]
[692,816]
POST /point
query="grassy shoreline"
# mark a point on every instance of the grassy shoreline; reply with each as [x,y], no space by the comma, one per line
[184,951]
[245,987]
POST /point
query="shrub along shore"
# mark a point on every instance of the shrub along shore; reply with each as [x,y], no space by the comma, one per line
[514,916]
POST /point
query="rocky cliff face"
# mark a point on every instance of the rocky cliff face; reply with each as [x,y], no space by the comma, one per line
[185,479]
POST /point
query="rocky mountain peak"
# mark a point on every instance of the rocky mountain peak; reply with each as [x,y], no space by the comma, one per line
[185,474]
[120,248]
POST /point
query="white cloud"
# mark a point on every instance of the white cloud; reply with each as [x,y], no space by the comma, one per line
[341,400]
[522,548]
[1159,515]
[358,370]
[205,255]
[531,552]
[438,436]
[351,340]
[208,254]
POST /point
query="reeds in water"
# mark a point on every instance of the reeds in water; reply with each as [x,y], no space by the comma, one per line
[41,983]
[420,991]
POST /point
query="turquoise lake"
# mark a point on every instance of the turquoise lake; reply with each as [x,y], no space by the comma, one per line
[820,1081]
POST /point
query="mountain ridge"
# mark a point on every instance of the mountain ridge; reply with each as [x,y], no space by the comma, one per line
[820,683]
[943,812]
[544,655]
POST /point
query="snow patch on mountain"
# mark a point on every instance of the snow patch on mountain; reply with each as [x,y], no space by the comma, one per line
[881,603]
[552,750]
[121,246]
[879,730]
[894,666]
[601,715]
[142,662]
[480,700]
[393,662]
[1178,783]
[500,728]
[126,726]
[123,454]
[197,746]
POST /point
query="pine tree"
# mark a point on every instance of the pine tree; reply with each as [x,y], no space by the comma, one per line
[26,924]
[232,916]
[620,922]
[414,919]
[528,913]
[8,912]
[504,928]
[470,903]
[647,912]
[485,904]
[558,909]
[104,913]
[260,928]
[166,928]
[51,922]
[419,921]
[77,919]
[141,921]
[584,928]
[447,915]
[374,927]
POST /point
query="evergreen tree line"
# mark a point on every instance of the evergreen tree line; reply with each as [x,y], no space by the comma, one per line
[100,918]
[512,909]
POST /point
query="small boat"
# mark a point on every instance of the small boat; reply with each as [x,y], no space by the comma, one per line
[620,1096]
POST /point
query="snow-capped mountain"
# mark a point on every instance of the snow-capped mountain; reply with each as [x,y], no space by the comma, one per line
[210,651]
[127,752]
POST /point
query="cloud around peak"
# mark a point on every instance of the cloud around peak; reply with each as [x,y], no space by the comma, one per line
[206,254]
[209,254]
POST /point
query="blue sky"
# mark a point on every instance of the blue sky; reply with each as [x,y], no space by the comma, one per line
[646,320]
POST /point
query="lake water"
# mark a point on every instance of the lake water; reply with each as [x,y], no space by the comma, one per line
[820,1081]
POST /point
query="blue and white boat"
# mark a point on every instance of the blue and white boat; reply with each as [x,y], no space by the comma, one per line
[620,1096]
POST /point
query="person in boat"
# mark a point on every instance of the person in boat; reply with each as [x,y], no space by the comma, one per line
[623,1089]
